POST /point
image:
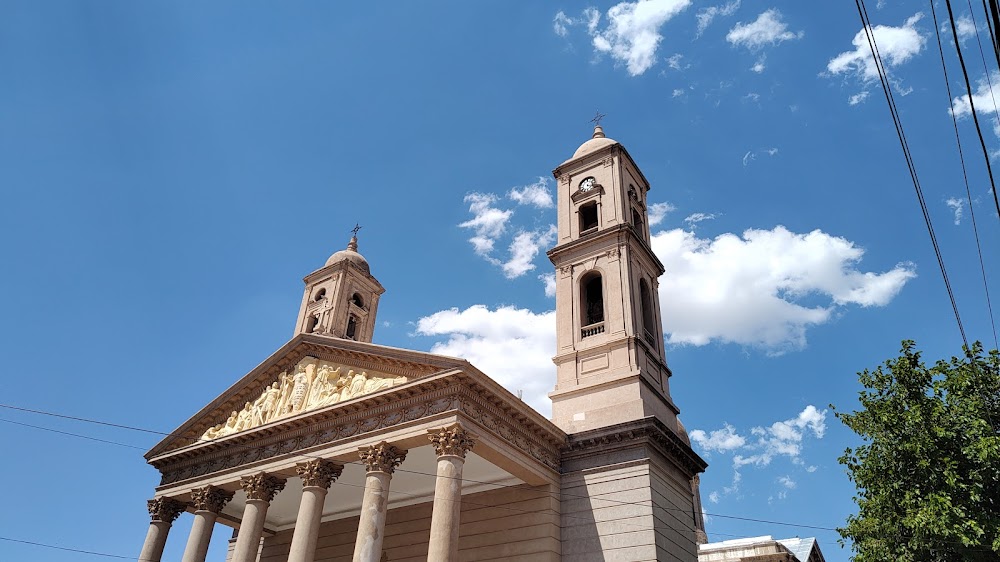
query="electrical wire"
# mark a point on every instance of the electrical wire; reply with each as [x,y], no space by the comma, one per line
[972,107]
[75,550]
[961,157]
[887,89]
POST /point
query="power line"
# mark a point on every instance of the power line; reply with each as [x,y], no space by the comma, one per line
[75,550]
[961,157]
[887,89]
[972,107]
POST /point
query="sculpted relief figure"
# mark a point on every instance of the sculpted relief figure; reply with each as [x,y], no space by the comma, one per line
[314,384]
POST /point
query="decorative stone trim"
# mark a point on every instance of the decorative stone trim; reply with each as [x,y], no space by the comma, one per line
[329,427]
[165,510]
[210,498]
[318,473]
[382,457]
[262,486]
[648,430]
[453,440]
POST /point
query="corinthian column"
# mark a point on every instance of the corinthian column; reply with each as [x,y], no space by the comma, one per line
[163,512]
[380,460]
[260,489]
[316,475]
[451,444]
[207,501]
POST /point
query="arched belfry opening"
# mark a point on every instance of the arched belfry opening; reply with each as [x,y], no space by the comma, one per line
[646,302]
[592,303]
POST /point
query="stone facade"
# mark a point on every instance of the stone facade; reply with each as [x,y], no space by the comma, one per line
[337,449]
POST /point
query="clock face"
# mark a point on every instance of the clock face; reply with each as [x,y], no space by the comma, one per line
[587,184]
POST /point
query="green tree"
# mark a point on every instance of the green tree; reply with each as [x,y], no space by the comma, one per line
[928,471]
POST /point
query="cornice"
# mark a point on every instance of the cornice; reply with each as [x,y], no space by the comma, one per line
[647,431]
[619,231]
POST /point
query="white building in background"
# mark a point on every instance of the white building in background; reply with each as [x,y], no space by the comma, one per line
[761,549]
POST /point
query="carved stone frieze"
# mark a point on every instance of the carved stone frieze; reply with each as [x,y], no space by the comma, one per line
[210,498]
[452,440]
[311,385]
[318,473]
[262,486]
[382,457]
[334,426]
[164,509]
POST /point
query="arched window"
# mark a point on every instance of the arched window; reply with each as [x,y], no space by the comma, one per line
[592,299]
[357,300]
[319,295]
[637,222]
[352,327]
[646,302]
[588,217]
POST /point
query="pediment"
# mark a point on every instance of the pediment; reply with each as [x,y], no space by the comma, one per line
[309,374]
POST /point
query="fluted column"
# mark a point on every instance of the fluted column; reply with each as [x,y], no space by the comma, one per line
[163,512]
[451,444]
[207,501]
[380,460]
[316,475]
[260,489]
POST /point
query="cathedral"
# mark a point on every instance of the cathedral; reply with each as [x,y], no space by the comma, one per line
[339,449]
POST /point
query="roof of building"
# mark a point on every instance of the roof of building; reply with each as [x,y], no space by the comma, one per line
[350,254]
[801,548]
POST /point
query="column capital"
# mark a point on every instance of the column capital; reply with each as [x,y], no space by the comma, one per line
[262,486]
[165,509]
[318,472]
[210,498]
[382,457]
[452,440]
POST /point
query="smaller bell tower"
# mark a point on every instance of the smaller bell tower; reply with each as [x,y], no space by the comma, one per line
[341,298]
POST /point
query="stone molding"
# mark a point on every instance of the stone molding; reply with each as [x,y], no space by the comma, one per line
[453,440]
[645,431]
[382,457]
[318,473]
[165,510]
[329,427]
[261,486]
[210,498]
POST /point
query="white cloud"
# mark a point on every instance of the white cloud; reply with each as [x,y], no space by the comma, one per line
[767,29]
[677,93]
[549,280]
[657,211]
[752,97]
[535,194]
[706,16]
[561,23]
[759,66]
[488,222]
[784,438]
[674,61]
[858,97]
[721,440]
[633,32]
[811,468]
[695,218]
[748,289]
[896,45]
[963,25]
[772,151]
[513,345]
[750,156]
[983,99]
[957,206]
[524,248]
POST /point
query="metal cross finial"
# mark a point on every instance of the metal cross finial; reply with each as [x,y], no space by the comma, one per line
[356,228]
[597,118]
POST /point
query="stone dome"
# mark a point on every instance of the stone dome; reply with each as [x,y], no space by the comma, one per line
[350,254]
[595,143]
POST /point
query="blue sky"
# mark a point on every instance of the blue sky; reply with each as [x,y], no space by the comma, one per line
[171,171]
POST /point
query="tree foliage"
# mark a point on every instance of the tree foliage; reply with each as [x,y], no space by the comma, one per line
[928,471]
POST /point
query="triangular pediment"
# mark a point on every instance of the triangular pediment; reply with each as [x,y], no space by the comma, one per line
[309,374]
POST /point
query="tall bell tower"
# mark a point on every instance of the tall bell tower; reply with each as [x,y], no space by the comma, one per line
[341,297]
[610,360]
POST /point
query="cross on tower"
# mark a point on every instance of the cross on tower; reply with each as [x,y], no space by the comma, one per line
[597,118]
[356,228]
